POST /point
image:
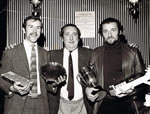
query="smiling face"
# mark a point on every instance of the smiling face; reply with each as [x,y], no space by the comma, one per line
[70,38]
[110,32]
[32,30]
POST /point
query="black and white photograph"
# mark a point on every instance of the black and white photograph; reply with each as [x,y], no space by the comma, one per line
[74,57]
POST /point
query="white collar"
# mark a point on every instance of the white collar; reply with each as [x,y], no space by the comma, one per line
[29,44]
[67,51]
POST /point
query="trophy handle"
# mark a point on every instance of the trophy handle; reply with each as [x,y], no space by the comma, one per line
[79,78]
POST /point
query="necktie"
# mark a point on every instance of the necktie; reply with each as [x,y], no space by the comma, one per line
[70,86]
[33,73]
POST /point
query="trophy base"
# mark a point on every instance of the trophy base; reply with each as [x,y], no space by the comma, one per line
[101,92]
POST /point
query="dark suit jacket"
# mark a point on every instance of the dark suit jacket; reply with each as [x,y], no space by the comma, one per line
[57,56]
[132,63]
[16,60]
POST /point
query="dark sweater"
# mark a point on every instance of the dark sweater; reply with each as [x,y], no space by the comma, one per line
[112,64]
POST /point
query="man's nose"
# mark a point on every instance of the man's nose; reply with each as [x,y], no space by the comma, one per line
[71,37]
[35,30]
[109,34]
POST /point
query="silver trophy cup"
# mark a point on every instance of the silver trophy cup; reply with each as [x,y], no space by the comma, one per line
[87,78]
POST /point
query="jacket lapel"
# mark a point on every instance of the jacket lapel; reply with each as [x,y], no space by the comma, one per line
[40,56]
[23,56]
[126,63]
[99,57]
[80,55]
[61,56]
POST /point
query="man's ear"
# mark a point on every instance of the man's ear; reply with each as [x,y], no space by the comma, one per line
[120,32]
[24,31]
[42,31]
[62,38]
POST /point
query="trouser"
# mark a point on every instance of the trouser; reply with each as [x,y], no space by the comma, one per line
[117,106]
[72,107]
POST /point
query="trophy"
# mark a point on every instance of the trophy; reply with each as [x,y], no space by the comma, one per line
[51,71]
[13,77]
[87,78]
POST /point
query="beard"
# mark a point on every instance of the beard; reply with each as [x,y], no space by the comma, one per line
[111,40]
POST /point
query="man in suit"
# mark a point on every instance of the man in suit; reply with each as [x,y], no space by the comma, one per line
[60,103]
[25,99]
[114,62]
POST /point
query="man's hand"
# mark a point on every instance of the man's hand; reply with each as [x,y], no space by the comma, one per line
[10,46]
[61,80]
[90,96]
[52,87]
[120,92]
[22,90]
[147,100]
[133,45]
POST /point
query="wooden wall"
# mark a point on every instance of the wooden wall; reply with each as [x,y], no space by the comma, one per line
[56,13]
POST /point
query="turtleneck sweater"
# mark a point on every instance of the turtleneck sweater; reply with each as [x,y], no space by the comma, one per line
[112,64]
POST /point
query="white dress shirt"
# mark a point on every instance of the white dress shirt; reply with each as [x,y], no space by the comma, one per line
[78,94]
[28,47]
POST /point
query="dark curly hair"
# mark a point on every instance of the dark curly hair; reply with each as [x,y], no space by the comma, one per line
[110,20]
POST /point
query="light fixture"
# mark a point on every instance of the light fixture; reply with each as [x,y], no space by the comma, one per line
[133,1]
[134,9]
[36,7]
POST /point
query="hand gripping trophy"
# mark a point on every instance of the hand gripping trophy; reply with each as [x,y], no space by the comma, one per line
[87,78]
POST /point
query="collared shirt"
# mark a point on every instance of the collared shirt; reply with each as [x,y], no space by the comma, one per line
[28,47]
[77,87]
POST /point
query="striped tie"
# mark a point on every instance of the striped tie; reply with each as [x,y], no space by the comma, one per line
[33,74]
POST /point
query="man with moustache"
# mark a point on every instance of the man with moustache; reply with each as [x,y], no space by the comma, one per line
[26,99]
